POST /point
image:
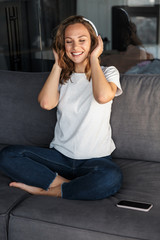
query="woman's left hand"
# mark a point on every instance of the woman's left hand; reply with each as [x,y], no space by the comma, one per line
[99,49]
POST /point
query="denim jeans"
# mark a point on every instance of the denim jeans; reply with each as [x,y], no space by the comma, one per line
[91,179]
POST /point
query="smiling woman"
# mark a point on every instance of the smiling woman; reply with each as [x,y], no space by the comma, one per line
[78,164]
[77,45]
[60,42]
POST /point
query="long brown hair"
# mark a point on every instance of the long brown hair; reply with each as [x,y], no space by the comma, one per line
[59,45]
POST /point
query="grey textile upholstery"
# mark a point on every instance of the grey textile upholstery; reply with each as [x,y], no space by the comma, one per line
[95,219]
[136,131]
[136,118]
[23,121]
[9,198]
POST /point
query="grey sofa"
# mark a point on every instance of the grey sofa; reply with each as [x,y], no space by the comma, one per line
[135,122]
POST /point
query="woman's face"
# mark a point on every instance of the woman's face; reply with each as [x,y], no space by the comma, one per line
[77,45]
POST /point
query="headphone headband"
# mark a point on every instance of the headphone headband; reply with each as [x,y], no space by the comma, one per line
[93,26]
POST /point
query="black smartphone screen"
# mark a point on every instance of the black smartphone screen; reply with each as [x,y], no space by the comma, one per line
[134,205]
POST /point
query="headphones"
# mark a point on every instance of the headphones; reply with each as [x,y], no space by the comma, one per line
[93,26]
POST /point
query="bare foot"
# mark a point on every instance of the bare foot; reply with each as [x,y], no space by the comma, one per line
[52,191]
[58,181]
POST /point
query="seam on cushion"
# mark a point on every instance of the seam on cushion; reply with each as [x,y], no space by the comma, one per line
[14,204]
[74,228]
[133,159]
[7,214]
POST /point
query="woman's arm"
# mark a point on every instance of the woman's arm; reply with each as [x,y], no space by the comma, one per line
[103,90]
[49,95]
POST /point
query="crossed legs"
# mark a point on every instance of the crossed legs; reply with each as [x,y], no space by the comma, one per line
[43,171]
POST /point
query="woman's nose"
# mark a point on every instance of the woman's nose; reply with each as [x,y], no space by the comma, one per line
[75,45]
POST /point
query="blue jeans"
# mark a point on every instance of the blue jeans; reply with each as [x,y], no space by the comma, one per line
[91,179]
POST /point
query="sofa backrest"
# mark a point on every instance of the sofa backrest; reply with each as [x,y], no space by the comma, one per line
[22,120]
[135,118]
[135,115]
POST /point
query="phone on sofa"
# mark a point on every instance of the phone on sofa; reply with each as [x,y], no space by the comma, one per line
[134,205]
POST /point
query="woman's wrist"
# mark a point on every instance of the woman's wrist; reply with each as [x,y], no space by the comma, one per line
[94,60]
[57,67]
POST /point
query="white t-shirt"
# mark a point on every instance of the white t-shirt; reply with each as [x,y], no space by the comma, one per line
[83,128]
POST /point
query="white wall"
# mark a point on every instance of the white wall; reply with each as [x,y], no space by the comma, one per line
[99,11]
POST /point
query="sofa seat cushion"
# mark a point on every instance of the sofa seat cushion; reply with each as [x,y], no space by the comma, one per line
[42,217]
[9,198]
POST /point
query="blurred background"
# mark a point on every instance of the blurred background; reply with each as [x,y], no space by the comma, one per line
[26,27]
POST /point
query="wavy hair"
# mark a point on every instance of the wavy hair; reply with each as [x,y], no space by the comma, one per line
[59,46]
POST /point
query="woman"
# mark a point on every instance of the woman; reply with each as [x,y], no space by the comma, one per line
[78,163]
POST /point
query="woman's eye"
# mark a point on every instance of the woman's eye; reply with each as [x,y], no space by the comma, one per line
[68,41]
[82,40]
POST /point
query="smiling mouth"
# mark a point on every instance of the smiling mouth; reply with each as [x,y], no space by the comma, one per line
[77,54]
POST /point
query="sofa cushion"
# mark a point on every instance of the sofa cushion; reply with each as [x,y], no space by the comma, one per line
[9,198]
[3,146]
[135,118]
[42,217]
[22,119]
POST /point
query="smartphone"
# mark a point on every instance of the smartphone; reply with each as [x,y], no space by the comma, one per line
[141,206]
